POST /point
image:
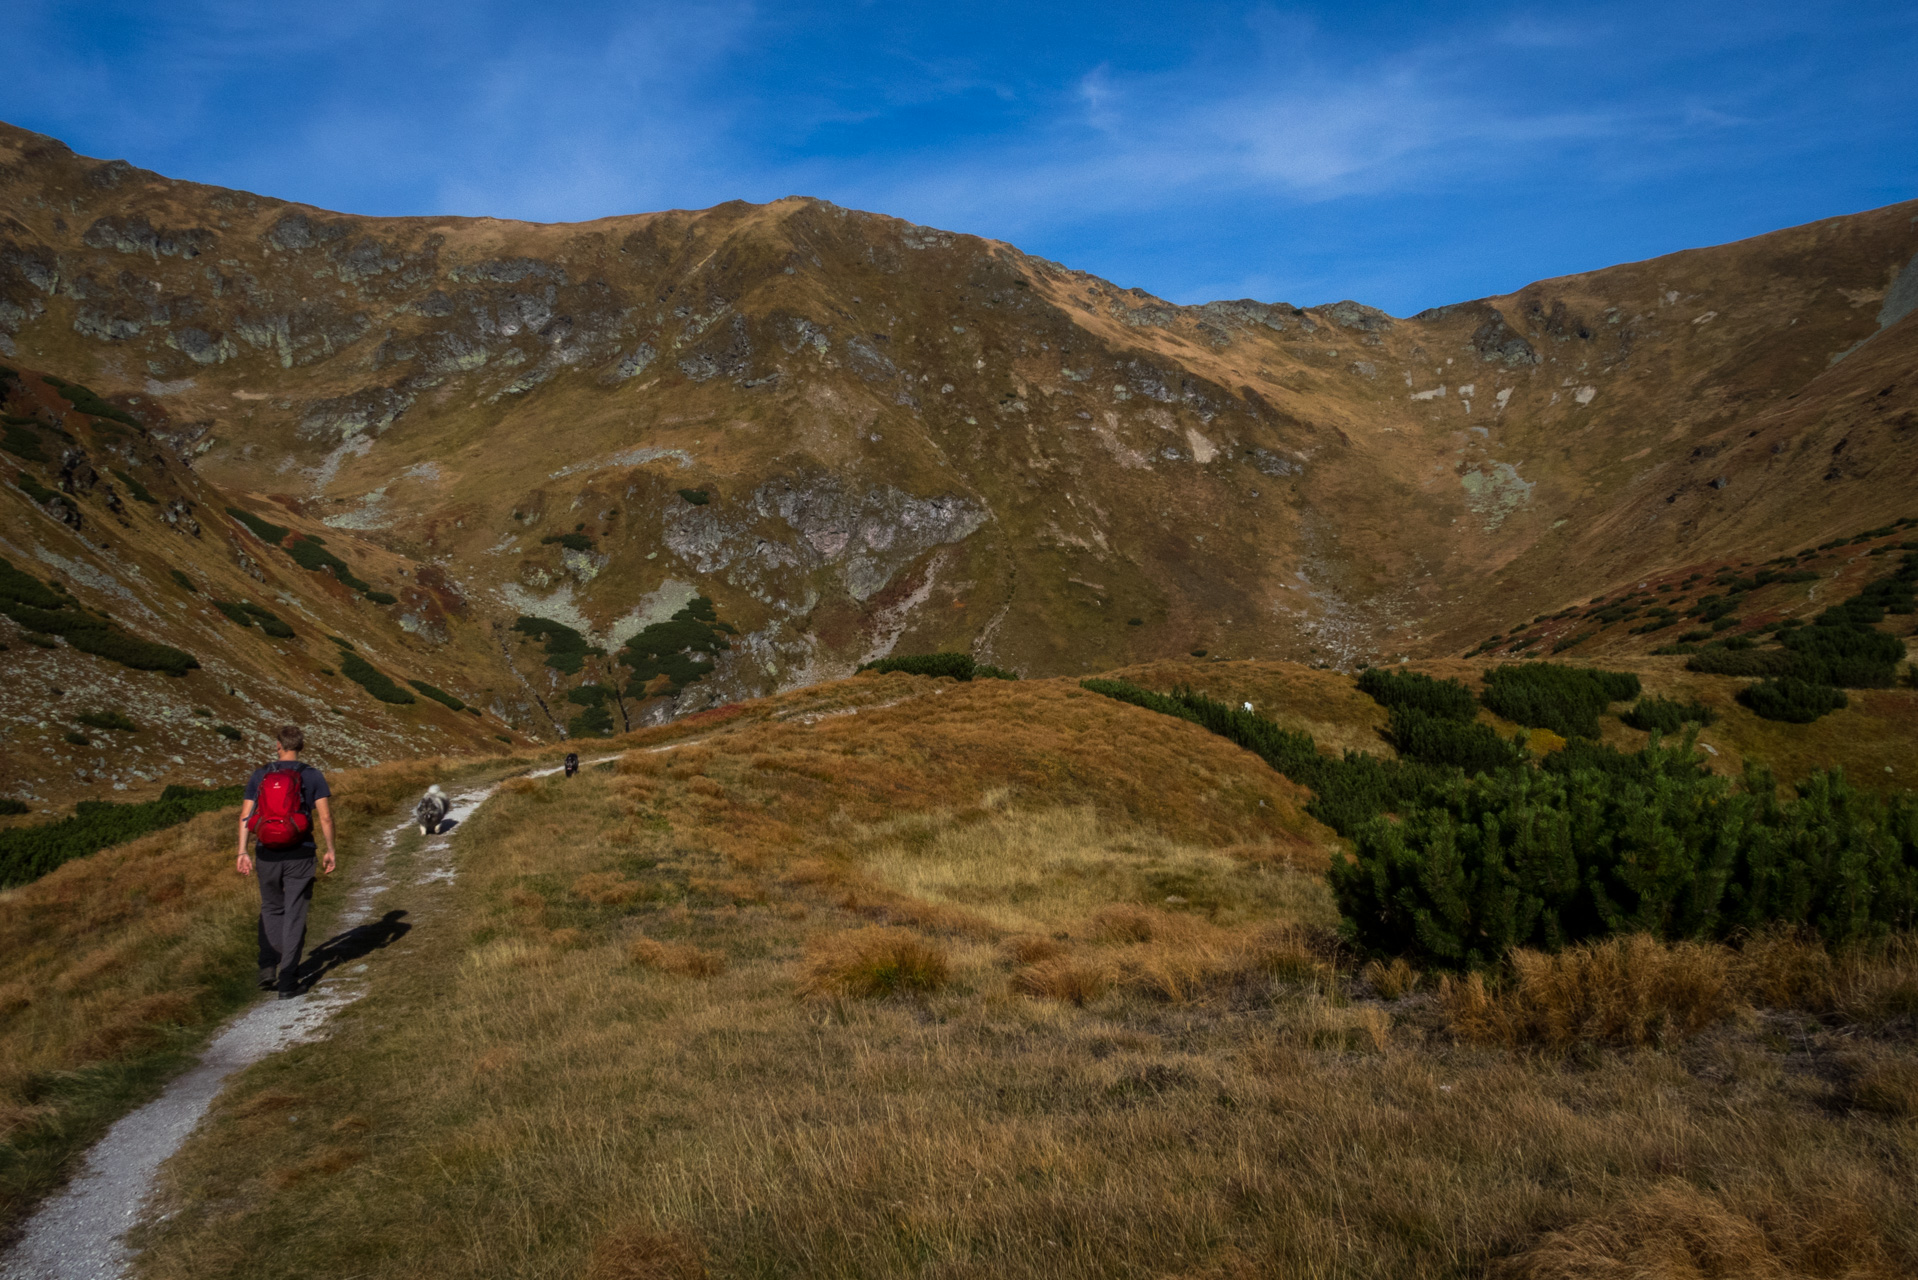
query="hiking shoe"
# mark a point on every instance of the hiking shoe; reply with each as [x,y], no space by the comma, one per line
[288,993]
[268,979]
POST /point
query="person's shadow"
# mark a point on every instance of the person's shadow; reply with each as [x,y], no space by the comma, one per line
[344,948]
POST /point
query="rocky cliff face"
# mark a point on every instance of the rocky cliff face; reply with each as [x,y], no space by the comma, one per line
[858,435]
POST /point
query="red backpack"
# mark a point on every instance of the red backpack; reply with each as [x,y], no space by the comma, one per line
[277,819]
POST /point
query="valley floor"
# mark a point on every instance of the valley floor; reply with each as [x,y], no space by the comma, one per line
[903,977]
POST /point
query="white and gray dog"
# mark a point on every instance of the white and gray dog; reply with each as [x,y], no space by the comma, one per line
[431,811]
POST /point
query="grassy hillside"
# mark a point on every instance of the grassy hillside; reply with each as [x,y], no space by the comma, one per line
[902,976]
[115,967]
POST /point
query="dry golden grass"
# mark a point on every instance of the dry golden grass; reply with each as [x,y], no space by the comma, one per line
[878,960]
[114,966]
[1677,1231]
[667,957]
[635,1253]
[1108,1082]
[1628,991]
[1391,980]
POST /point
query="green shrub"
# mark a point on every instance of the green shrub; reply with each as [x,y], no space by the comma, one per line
[571,541]
[11,808]
[59,615]
[373,680]
[1572,641]
[27,853]
[1667,715]
[955,666]
[1545,858]
[1348,792]
[23,444]
[1714,608]
[1446,699]
[697,497]
[1844,654]
[184,581]
[227,731]
[503,738]
[595,721]
[77,738]
[1719,661]
[20,588]
[246,614]
[566,649]
[1442,740]
[1792,700]
[106,720]
[381,597]
[673,648]
[265,530]
[139,491]
[1566,700]
[311,554]
[86,400]
[35,490]
[440,696]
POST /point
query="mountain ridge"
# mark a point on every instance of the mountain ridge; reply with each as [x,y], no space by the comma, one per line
[907,439]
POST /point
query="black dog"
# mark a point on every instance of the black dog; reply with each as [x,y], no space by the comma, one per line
[572,763]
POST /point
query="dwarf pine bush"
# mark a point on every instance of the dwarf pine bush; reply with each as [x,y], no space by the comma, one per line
[956,666]
[1545,858]
[265,530]
[44,611]
[1587,843]
[440,696]
[1447,699]
[1440,740]
[27,853]
[566,649]
[311,554]
[683,649]
[1792,700]
[373,680]
[1566,700]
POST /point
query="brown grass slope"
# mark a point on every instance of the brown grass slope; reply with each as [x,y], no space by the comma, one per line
[895,976]
[115,968]
[127,519]
[916,439]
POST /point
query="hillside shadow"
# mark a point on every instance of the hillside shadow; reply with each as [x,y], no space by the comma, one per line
[354,944]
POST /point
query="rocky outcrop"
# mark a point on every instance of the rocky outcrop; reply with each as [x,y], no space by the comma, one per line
[792,528]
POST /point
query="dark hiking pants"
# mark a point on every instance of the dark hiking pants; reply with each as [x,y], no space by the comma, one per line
[286,889]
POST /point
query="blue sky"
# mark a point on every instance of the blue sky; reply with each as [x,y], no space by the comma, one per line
[1404,155]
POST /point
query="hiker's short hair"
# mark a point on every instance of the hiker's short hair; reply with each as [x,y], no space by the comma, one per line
[291,739]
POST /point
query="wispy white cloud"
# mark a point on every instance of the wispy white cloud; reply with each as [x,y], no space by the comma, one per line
[1191,163]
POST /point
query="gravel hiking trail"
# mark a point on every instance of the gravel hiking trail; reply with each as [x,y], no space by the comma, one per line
[80,1233]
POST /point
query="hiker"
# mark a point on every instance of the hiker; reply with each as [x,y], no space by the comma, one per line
[278,808]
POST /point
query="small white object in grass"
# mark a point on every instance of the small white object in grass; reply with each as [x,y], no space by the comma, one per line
[1246,705]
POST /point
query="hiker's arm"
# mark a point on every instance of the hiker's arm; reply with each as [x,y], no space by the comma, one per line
[323,810]
[244,863]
